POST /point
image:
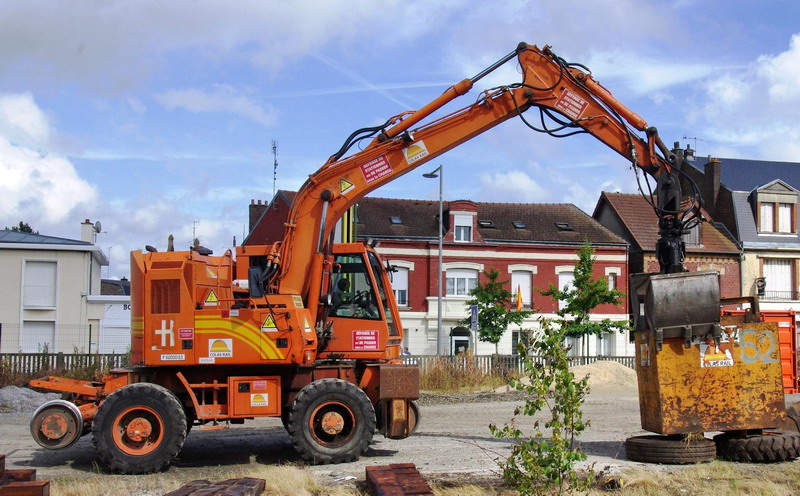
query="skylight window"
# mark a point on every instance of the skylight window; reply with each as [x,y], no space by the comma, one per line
[486,223]
[518,224]
[394,219]
[564,226]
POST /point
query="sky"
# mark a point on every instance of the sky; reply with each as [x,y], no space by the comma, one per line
[158,118]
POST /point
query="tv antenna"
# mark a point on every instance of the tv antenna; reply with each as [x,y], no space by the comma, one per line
[274,165]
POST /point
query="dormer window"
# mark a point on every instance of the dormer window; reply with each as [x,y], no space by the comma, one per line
[777,218]
[395,220]
[462,229]
[486,224]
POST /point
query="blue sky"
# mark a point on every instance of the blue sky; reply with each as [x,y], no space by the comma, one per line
[158,117]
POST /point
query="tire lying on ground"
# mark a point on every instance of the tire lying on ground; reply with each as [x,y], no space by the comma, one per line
[331,421]
[769,447]
[139,428]
[671,450]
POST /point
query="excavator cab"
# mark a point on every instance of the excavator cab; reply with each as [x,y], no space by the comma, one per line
[361,311]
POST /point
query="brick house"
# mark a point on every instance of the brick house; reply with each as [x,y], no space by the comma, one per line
[532,245]
[709,246]
[757,201]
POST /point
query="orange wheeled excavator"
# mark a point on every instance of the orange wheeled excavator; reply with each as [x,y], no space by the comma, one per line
[306,329]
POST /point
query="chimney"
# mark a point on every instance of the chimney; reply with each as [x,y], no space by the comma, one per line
[711,184]
[88,232]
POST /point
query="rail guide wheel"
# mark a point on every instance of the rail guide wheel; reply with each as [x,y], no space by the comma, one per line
[57,424]
[670,450]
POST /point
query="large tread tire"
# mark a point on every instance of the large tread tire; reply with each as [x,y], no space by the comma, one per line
[769,447]
[139,428]
[668,450]
[331,421]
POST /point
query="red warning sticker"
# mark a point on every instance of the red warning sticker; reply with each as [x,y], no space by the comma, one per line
[571,104]
[365,340]
[376,169]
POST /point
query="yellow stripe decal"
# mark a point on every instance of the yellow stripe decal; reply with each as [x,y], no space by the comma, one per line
[246,332]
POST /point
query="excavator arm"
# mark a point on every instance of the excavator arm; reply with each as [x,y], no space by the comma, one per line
[564,93]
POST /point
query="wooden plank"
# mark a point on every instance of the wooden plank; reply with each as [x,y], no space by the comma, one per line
[2,464]
[29,488]
[21,474]
[246,486]
[397,479]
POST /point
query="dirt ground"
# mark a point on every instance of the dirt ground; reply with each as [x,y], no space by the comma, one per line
[453,439]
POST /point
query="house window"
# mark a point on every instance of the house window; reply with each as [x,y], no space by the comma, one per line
[778,275]
[776,217]
[692,238]
[612,282]
[400,286]
[463,228]
[40,284]
[459,282]
[565,280]
[37,336]
[521,284]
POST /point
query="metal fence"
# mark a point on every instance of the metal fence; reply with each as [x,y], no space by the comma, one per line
[511,363]
[29,363]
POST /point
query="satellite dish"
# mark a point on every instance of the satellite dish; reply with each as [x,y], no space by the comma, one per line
[98,226]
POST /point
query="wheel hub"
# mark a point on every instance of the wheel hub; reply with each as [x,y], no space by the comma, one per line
[139,429]
[332,423]
[55,426]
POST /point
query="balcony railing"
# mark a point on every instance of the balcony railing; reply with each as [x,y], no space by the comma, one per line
[779,295]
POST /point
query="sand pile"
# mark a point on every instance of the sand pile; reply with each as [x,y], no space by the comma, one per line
[605,377]
[14,399]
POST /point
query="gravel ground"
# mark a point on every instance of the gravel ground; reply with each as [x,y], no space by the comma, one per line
[453,440]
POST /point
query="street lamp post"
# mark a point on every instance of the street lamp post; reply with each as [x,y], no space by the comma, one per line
[441,340]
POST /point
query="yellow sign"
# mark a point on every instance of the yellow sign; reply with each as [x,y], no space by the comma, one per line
[306,325]
[345,185]
[212,299]
[269,323]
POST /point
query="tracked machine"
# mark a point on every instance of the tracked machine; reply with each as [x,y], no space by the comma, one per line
[307,329]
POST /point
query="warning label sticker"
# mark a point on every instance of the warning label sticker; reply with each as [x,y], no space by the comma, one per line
[415,152]
[365,340]
[186,333]
[269,324]
[306,325]
[376,169]
[212,300]
[259,385]
[571,104]
[345,186]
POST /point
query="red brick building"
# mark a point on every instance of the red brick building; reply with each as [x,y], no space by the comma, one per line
[709,246]
[532,245]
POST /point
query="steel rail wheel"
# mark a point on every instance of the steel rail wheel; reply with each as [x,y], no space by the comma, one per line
[671,450]
[331,421]
[138,429]
[768,447]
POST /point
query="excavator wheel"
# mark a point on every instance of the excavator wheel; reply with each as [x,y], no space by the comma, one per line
[769,447]
[331,421]
[139,428]
[671,450]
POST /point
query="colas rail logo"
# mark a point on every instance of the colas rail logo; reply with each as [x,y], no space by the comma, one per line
[220,348]
[258,399]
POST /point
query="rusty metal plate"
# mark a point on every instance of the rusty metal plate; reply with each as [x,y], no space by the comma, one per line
[399,381]
[734,386]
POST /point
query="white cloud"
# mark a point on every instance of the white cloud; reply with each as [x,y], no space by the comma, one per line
[512,186]
[782,72]
[38,187]
[22,121]
[221,99]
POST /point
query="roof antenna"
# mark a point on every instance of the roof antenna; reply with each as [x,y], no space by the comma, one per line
[274,165]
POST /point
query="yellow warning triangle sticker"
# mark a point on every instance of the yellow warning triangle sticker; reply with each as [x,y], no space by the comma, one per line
[306,325]
[211,299]
[345,185]
[269,323]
